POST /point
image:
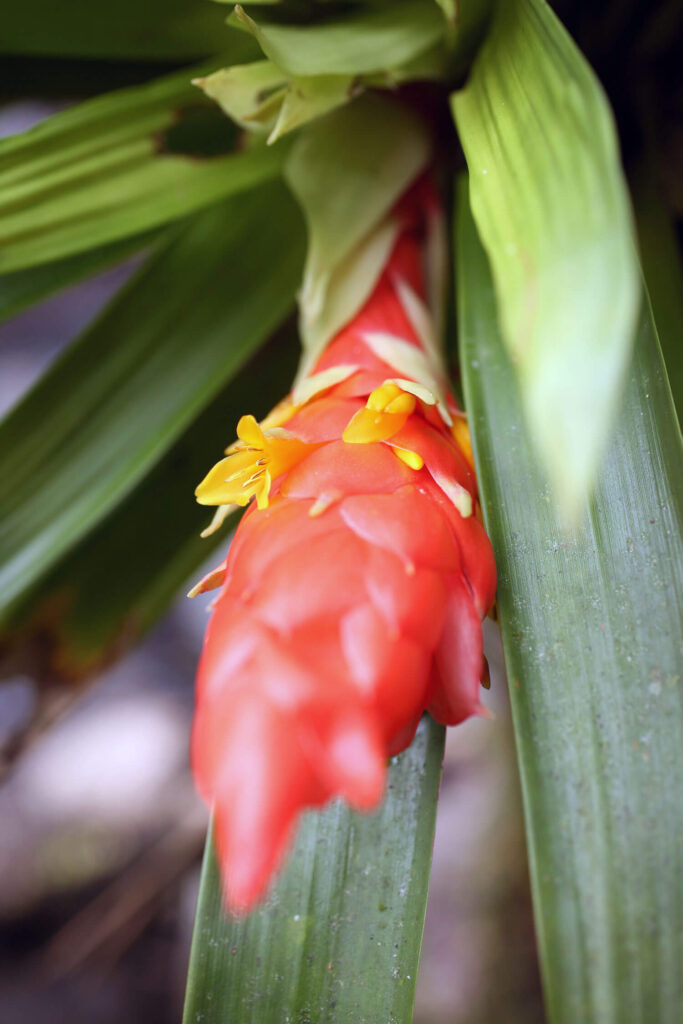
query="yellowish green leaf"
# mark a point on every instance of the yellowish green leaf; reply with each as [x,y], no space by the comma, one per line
[550,201]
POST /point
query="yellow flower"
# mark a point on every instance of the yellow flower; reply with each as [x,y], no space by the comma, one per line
[252,463]
[386,412]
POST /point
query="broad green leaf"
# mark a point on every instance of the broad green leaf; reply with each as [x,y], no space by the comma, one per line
[339,937]
[347,171]
[24,287]
[364,40]
[125,29]
[98,172]
[114,584]
[119,398]
[591,630]
[550,202]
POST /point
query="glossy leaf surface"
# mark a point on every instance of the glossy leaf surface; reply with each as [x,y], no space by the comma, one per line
[339,938]
[102,171]
[550,202]
[591,629]
[121,395]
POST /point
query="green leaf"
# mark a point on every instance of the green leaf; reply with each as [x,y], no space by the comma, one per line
[113,585]
[268,96]
[663,269]
[126,29]
[591,630]
[250,94]
[347,171]
[98,172]
[339,937]
[364,40]
[119,398]
[262,98]
[550,202]
[24,287]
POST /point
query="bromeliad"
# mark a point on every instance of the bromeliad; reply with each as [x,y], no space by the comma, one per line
[352,596]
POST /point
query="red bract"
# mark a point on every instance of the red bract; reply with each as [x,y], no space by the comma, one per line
[352,596]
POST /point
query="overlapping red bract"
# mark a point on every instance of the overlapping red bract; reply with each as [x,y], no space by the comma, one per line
[335,630]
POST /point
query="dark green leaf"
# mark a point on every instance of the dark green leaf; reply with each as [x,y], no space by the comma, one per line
[339,938]
[119,398]
[591,629]
[24,287]
[109,168]
[120,578]
[663,269]
[551,204]
[125,29]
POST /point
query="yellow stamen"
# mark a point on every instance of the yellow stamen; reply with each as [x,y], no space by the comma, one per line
[386,411]
[252,463]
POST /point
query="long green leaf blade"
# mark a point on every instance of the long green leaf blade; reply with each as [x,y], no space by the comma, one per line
[111,407]
[126,29]
[99,172]
[25,287]
[663,270]
[339,938]
[591,629]
[550,202]
[96,603]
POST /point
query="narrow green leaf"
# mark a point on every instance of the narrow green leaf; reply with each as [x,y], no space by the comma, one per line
[110,408]
[115,583]
[549,199]
[24,287]
[663,269]
[126,29]
[361,41]
[102,171]
[339,938]
[591,629]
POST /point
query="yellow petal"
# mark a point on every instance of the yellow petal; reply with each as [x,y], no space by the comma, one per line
[284,453]
[368,426]
[382,396]
[249,431]
[224,483]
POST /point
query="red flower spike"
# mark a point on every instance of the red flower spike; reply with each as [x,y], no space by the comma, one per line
[352,597]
